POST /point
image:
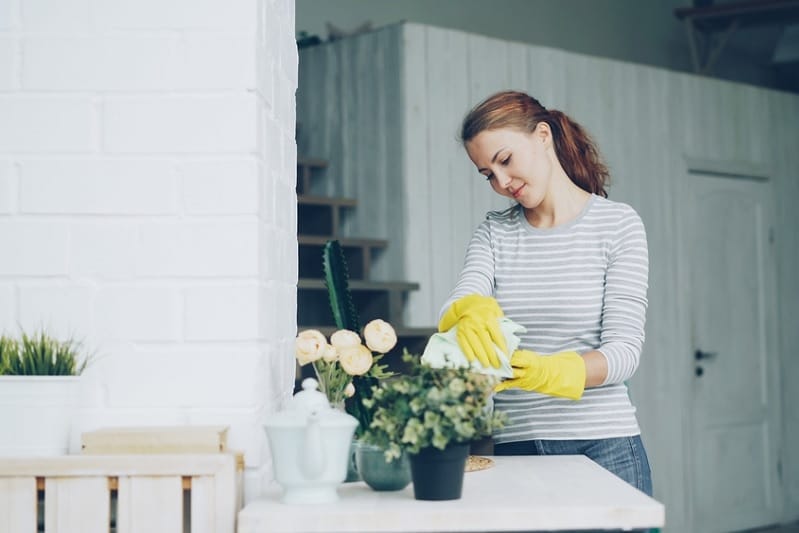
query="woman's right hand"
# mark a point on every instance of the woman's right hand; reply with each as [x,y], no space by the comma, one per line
[477,318]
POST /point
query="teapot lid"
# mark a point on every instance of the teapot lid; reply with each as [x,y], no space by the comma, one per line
[309,399]
[309,404]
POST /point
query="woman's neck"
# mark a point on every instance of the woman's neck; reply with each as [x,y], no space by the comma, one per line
[562,204]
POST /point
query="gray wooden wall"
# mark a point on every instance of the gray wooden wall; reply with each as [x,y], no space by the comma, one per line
[428,198]
[348,112]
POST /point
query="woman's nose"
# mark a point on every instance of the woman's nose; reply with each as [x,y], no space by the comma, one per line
[502,180]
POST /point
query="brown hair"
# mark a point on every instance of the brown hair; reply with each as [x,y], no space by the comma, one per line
[575,149]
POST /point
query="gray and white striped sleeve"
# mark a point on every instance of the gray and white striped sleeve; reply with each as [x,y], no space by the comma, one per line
[625,301]
[477,275]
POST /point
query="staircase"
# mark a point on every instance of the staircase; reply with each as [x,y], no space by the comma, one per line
[318,220]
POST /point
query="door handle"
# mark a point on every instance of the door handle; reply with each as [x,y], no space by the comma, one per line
[699,355]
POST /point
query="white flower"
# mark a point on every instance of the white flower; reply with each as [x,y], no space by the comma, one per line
[309,346]
[380,336]
[349,390]
[355,360]
[331,354]
[344,338]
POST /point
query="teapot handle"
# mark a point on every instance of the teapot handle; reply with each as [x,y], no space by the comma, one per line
[312,461]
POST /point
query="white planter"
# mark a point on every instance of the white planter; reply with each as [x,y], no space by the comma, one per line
[36,414]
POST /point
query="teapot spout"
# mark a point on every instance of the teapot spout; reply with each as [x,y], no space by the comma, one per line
[312,460]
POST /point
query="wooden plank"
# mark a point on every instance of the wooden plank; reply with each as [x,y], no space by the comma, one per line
[361,285]
[310,199]
[345,242]
[151,504]
[18,504]
[228,500]
[416,198]
[113,483]
[214,502]
[77,505]
[311,162]
[203,505]
[158,439]
[188,464]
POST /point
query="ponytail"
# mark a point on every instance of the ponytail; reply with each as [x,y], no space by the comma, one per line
[578,154]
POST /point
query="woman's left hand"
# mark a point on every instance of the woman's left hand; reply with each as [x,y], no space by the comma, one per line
[561,374]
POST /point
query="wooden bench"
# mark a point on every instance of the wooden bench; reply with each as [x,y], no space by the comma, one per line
[175,493]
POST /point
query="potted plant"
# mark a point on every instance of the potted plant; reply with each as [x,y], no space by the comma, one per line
[433,414]
[38,393]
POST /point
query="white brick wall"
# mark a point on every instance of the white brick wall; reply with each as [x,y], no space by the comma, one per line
[9,64]
[98,187]
[8,312]
[32,248]
[220,187]
[8,188]
[147,204]
[183,124]
[52,124]
[9,15]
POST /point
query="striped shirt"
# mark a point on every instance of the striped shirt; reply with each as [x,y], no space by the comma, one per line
[579,286]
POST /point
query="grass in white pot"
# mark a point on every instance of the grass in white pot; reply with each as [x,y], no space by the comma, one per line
[40,354]
[39,380]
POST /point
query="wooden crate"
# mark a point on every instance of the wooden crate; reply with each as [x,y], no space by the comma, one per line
[156,493]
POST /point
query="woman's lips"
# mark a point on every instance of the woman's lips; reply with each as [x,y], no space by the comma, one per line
[518,191]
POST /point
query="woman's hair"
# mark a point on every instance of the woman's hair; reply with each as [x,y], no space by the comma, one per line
[575,149]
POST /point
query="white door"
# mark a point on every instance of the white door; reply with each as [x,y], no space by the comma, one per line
[735,391]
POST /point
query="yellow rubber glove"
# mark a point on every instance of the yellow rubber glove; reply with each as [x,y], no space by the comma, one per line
[478,327]
[561,374]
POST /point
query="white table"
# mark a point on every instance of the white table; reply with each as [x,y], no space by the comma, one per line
[528,493]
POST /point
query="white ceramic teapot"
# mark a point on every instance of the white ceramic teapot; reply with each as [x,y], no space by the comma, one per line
[310,443]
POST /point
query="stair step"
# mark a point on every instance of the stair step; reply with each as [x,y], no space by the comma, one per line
[358,253]
[345,242]
[321,215]
[361,285]
[372,299]
[309,199]
[305,169]
[312,162]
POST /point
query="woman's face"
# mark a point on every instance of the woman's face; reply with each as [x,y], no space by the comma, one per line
[517,164]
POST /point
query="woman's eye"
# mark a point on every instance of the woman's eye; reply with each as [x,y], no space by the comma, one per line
[489,177]
[505,161]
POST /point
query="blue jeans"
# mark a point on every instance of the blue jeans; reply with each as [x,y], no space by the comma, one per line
[624,456]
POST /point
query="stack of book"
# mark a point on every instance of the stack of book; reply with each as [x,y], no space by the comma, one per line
[155,439]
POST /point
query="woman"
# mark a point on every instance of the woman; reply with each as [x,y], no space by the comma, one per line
[569,265]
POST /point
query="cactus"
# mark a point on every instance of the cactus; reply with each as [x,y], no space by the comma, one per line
[338,290]
[346,317]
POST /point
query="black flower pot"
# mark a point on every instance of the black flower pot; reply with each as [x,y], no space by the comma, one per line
[438,474]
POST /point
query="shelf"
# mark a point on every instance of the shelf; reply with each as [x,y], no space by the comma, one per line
[358,253]
[309,199]
[311,162]
[372,299]
[361,285]
[345,242]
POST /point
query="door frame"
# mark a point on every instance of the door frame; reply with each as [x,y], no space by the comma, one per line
[731,169]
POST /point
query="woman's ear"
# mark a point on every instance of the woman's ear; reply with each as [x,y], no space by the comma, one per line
[543,133]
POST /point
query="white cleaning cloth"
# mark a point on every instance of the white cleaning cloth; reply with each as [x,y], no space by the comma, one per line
[442,350]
